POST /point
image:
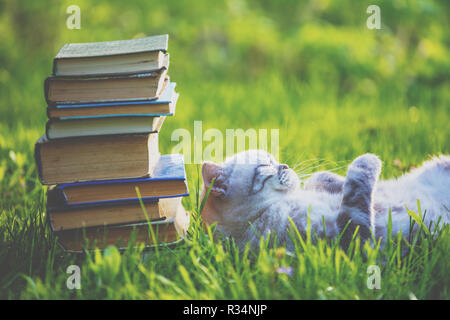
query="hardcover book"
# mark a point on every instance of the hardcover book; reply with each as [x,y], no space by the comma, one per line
[163,106]
[168,180]
[106,157]
[63,217]
[109,185]
[164,231]
[75,90]
[103,126]
[140,55]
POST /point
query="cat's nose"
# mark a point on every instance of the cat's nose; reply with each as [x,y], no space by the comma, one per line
[284,166]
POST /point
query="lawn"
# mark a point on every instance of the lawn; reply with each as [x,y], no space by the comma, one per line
[333,88]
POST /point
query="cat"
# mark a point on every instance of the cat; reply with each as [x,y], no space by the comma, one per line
[253,196]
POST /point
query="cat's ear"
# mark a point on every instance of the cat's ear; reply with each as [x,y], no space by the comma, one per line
[210,171]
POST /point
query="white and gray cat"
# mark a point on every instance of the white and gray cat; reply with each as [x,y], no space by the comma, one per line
[253,196]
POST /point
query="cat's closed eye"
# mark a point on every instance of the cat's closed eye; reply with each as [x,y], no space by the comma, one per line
[266,169]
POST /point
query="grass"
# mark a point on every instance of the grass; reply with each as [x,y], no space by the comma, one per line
[33,266]
[202,268]
[334,90]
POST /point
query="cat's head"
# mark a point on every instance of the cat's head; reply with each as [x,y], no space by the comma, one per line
[242,184]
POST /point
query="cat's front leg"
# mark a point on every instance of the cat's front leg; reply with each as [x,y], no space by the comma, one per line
[325,181]
[356,207]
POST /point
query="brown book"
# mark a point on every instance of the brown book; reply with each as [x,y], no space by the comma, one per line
[121,191]
[164,106]
[106,157]
[64,217]
[111,57]
[68,90]
[167,231]
[168,180]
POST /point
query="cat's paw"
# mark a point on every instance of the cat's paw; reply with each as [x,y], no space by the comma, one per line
[325,181]
[368,163]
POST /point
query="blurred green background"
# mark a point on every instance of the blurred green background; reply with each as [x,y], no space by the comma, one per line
[311,68]
[266,61]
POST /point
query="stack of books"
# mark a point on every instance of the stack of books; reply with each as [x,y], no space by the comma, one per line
[106,103]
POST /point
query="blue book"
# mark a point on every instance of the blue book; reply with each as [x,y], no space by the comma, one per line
[63,217]
[168,181]
[163,106]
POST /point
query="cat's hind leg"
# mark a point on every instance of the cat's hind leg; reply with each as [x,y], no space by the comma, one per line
[434,173]
[325,181]
[356,207]
[433,178]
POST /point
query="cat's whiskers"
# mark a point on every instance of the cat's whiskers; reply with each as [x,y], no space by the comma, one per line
[306,172]
[304,177]
[311,167]
[303,162]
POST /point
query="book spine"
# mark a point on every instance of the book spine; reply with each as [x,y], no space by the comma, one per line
[50,219]
[49,110]
[54,67]
[64,196]
[109,202]
[47,127]
[37,158]
[51,105]
[46,87]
